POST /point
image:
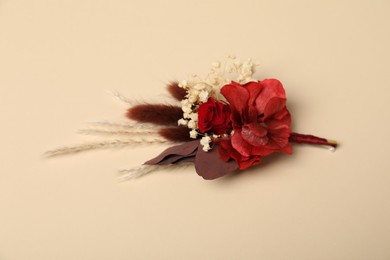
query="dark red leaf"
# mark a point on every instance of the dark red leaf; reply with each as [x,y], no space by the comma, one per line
[176,153]
[210,165]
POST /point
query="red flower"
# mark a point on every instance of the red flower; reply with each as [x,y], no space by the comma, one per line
[227,152]
[261,122]
[214,116]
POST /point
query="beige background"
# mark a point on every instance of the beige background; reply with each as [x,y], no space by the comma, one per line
[59,58]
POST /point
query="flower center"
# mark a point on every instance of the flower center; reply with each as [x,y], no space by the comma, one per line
[255,133]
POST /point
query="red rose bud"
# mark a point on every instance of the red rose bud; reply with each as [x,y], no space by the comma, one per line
[214,116]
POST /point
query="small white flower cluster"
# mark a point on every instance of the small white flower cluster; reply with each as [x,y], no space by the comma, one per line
[231,70]
[199,90]
[205,142]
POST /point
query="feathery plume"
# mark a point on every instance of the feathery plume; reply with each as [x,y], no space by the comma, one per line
[176,91]
[136,172]
[158,114]
[103,144]
[176,134]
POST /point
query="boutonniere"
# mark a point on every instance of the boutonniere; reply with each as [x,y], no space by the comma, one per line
[220,123]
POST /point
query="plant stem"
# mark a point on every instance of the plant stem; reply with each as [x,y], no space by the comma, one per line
[311,139]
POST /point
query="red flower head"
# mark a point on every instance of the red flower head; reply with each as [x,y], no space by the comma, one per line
[214,116]
[261,122]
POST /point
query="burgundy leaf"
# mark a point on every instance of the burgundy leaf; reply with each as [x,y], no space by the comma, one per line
[210,166]
[176,153]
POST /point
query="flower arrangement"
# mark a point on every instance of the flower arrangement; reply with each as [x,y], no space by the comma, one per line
[226,121]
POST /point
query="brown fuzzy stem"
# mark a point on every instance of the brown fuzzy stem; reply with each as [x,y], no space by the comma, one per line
[311,139]
[158,114]
[176,134]
[176,91]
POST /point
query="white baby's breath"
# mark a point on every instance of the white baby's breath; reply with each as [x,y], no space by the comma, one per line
[200,90]
[192,124]
[206,147]
[203,96]
[216,64]
[182,122]
[183,84]
[193,134]
[194,116]
[205,142]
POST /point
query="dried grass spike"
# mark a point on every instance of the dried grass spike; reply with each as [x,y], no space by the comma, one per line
[158,114]
[118,143]
[136,172]
[176,134]
[176,91]
[117,132]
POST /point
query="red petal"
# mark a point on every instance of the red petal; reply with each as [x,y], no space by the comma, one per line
[273,106]
[205,114]
[240,145]
[257,128]
[287,149]
[262,150]
[280,119]
[254,89]
[253,160]
[225,149]
[255,134]
[272,88]
[237,96]
[278,138]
